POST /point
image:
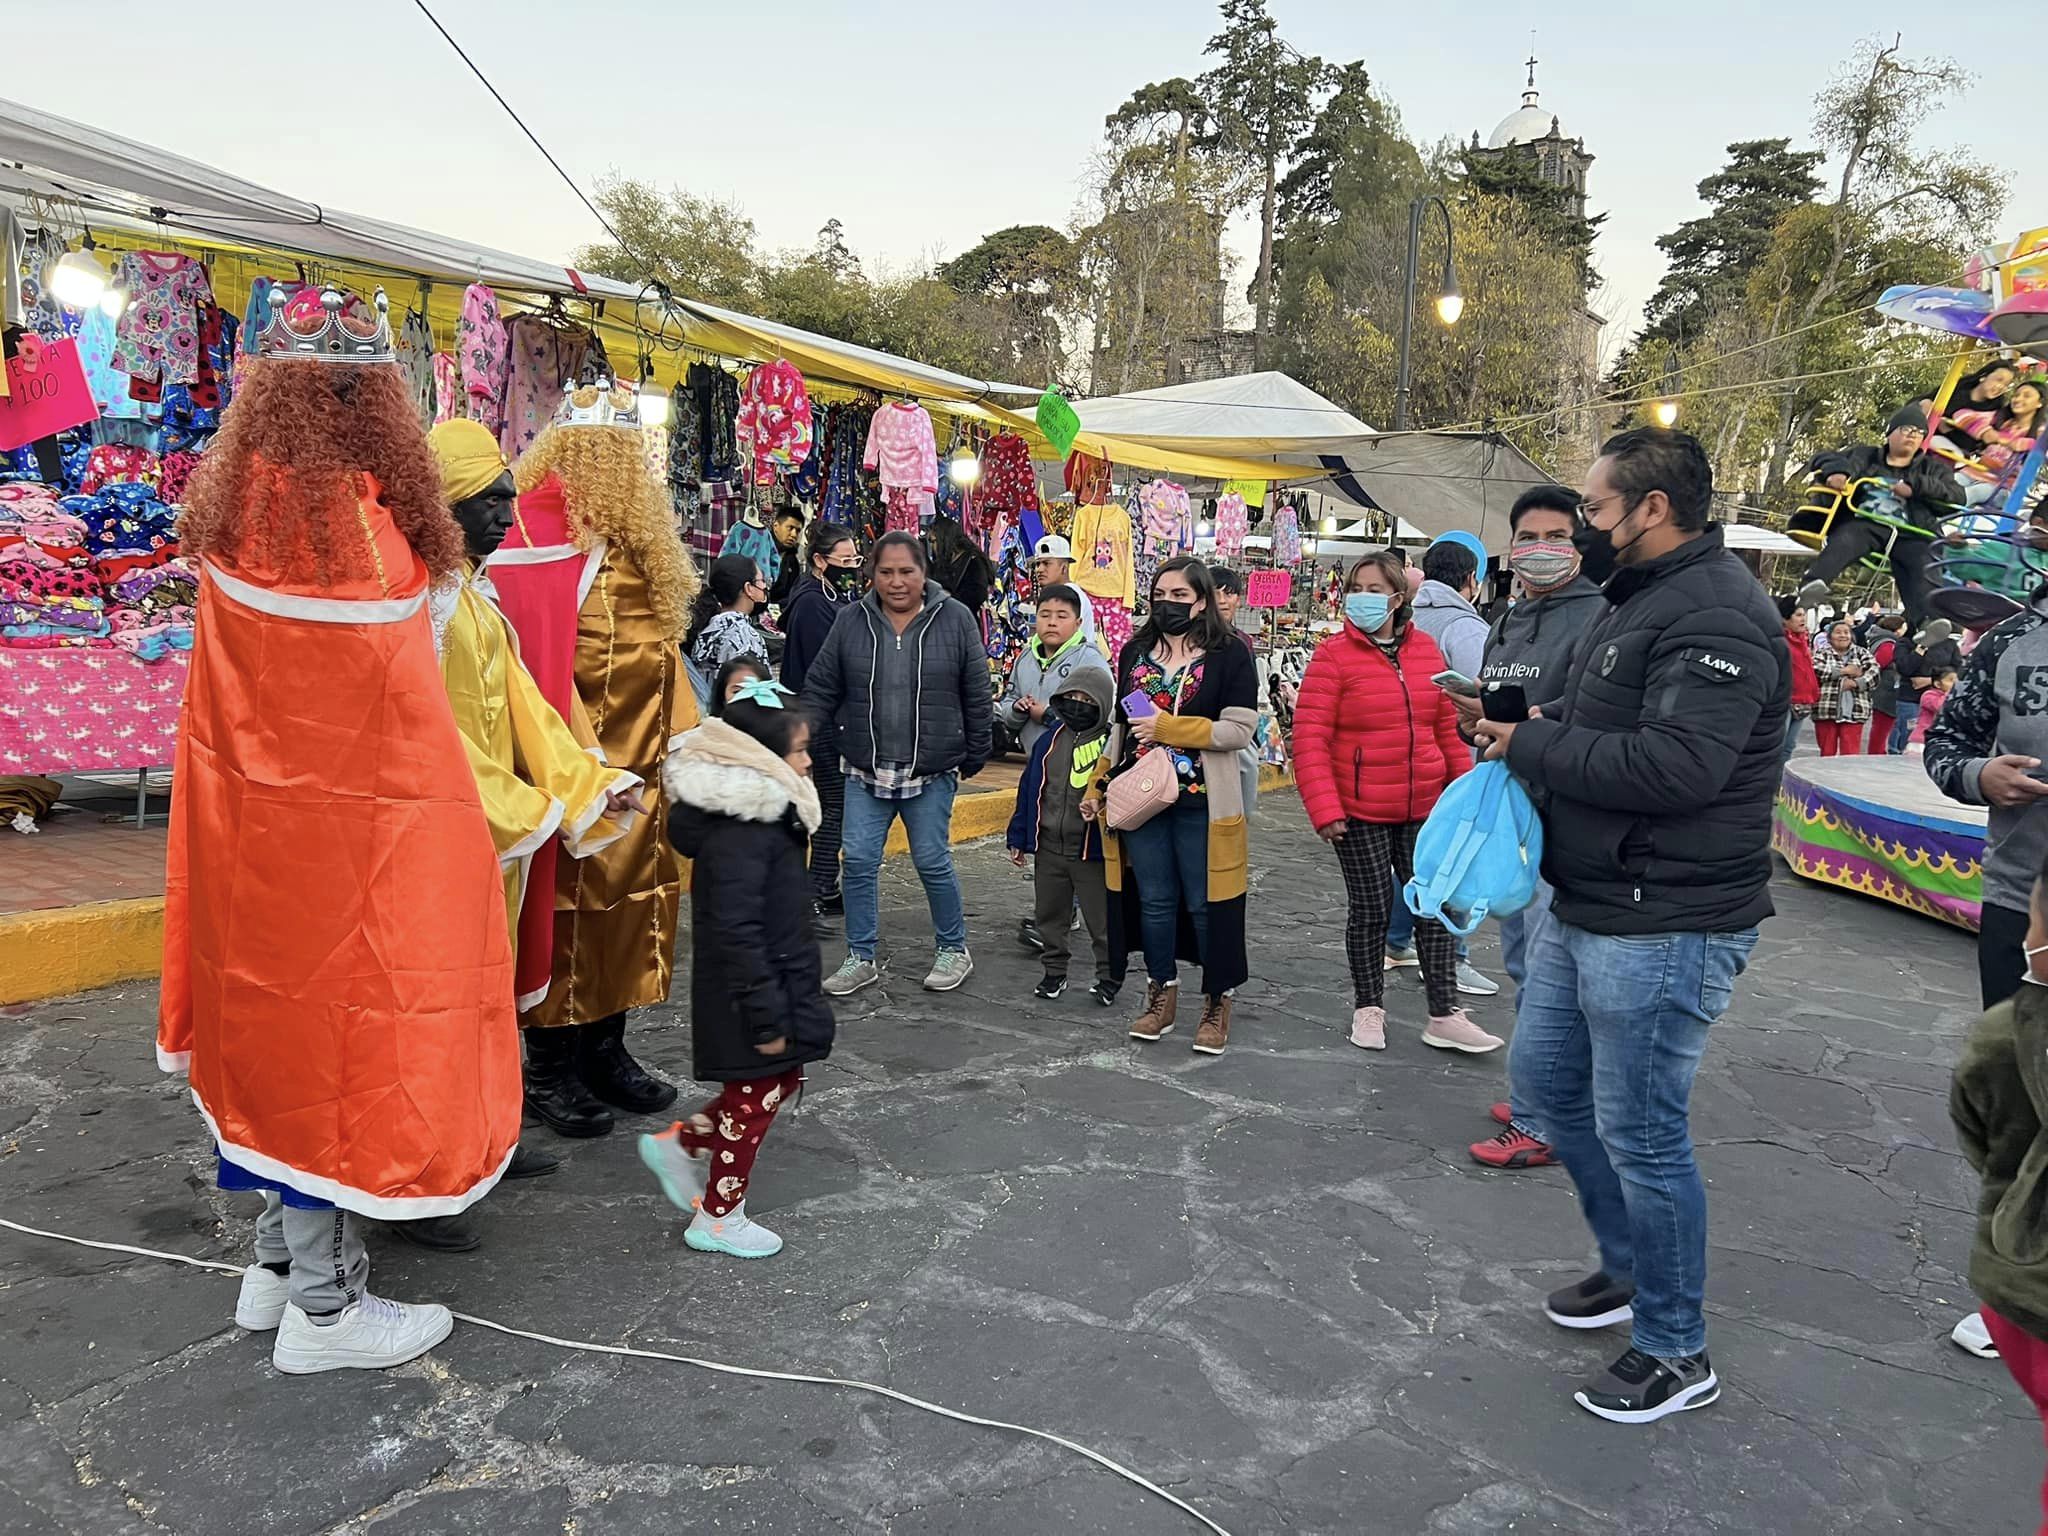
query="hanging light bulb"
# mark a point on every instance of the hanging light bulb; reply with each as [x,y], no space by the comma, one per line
[77,281]
[1449,306]
[653,403]
[113,301]
[1666,412]
[1666,409]
[963,469]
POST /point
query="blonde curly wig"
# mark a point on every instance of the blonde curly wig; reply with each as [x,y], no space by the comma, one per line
[611,496]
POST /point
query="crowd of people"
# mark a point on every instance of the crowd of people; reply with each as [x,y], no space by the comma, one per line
[490,714]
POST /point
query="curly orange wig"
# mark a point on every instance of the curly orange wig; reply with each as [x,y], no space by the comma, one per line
[281,481]
[611,496]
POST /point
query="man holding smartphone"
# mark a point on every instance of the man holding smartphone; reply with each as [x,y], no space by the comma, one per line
[1655,772]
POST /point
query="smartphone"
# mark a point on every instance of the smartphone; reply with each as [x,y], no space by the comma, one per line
[1458,683]
[1137,705]
[1505,703]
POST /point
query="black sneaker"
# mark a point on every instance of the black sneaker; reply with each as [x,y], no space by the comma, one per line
[1029,936]
[1049,986]
[1104,993]
[1595,1302]
[1641,1389]
[833,905]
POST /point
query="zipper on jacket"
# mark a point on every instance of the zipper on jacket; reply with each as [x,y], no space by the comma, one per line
[1407,705]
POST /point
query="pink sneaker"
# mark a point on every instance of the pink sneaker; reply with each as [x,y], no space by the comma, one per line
[1453,1031]
[1369,1028]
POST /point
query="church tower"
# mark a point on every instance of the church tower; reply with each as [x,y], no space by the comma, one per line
[1532,134]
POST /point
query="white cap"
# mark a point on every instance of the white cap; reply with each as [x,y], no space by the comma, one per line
[1053,547]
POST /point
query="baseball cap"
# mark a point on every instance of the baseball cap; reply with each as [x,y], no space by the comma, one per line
[1052,547]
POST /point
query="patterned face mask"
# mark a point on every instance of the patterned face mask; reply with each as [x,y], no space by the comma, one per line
[1545,564]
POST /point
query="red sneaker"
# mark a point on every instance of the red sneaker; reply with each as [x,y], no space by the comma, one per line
[1512,1149]
[1503,1113]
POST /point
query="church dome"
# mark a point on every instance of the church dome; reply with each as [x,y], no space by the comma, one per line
[1526,124]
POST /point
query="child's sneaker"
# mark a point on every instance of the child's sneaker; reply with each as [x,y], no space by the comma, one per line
[1104,993]
[260,1306]
[1049,987]
[682,1174]
[731,1233]
[370,1334]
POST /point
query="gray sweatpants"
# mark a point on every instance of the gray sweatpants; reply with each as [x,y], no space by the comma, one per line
[1062,884]
[330,1267]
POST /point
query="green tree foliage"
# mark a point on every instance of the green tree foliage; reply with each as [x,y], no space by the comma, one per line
[1551,210]
[698,246]
[1015,285]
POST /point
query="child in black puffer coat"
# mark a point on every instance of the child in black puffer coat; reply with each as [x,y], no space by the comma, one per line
[743,808]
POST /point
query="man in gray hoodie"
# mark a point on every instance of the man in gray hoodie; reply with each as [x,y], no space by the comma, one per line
[1443,604]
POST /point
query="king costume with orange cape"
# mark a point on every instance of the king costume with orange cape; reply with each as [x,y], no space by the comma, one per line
[615,911]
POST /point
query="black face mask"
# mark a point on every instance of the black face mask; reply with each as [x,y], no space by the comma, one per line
[1173,618]
[1079,715]
[844,579]
[1598,553]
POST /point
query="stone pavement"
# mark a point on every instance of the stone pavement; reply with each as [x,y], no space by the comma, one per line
[1272,1282]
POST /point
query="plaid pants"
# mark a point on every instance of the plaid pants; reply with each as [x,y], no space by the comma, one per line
[1364,853]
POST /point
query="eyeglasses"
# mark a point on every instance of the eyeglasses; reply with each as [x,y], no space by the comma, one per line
[1586,509]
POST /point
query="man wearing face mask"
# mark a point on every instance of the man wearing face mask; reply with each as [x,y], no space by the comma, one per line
[1530,646]
[833,582]
[1655,772]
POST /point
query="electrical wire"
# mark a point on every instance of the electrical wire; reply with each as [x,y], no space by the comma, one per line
[588,1346]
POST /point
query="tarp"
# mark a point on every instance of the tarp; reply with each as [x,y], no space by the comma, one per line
[1436,481]
[1250,415]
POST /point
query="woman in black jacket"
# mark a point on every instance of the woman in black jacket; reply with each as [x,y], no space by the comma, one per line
[741,807]
[832,583]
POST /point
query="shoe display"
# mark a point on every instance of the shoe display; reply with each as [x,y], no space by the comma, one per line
[1475,983]
[853,974]
[682,1174]
[529,1164]
[1513,1149]
[950,967]
[1453,1031]
[1369,1028]
[1104,993]
[1212,1035]
[1157,1019]
[1049,987]
[733,1233]
[440,1234]
[1029,936]
[611,1073]
[260,1306]
[1396,958]
[1970,1334]
[555,1091]
[1641,1389]
[368,1336]
[1598,1301]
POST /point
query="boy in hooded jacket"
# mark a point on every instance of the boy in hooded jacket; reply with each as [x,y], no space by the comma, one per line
[1056,823]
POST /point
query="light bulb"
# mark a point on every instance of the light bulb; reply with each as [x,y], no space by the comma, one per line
[1201,530]
[77,280]
[653,404]
[1666,412]
[1449,306]
[112,302]
[963,469]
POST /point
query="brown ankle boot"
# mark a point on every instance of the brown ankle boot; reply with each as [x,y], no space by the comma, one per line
[1214,1032]
[1157,1019]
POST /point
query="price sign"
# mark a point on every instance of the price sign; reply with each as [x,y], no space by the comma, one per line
[1269,589]
[46,393]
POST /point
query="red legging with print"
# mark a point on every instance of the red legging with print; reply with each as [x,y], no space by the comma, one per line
[2026,1358]
[740,1117]
[1843,737]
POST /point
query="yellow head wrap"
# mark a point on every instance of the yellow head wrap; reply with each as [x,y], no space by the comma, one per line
[469,457]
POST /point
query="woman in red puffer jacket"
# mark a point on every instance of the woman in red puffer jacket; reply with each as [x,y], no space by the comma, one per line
[1375,742]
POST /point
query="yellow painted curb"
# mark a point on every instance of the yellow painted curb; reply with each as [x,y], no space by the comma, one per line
[74,949]
[63,950]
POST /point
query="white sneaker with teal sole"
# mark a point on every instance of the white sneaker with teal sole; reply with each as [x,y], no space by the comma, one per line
[731,1233]
[260,1307]
[853,974]
[952,967]
[682,1176]
[371,1335]
[1475,983]
[1971,1334]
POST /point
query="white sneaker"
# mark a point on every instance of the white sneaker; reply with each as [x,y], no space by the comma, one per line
[1369,1028]
[260,1307]
[853,974]
[1475,983]
[731,1233]
[952,967]
[1396,958]
[371,1335]
[1971,1334]
[683,1174]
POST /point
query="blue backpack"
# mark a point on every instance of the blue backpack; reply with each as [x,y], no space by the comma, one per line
[1479,853]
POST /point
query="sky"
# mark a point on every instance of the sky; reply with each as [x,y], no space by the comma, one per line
[924,127]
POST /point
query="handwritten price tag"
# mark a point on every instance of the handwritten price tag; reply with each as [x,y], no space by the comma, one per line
[46,393]
[1269,589]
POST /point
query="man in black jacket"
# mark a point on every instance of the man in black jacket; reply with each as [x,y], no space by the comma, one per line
[1912,486]
[1655,773]
[904,680]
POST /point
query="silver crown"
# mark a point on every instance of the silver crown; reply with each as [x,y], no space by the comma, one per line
[603,403]
[326,325]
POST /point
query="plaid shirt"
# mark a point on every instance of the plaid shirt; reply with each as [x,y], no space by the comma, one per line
[1839,701]
[892,781]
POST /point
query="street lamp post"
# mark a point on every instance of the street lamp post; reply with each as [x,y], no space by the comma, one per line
[1449,302]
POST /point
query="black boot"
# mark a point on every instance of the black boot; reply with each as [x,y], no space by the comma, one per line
[528,1163]
[440,1234]
[616,1077]
[555,1094]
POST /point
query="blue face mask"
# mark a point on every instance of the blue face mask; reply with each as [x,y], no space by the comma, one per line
[1367,610]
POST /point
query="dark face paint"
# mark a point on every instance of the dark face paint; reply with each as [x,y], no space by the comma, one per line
[486,517]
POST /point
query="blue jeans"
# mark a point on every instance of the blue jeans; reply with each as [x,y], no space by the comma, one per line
[1902,728]
[1170,857]
[1608,1034]
[1514,944]
[1792,724]
[928,823]
[1401,925]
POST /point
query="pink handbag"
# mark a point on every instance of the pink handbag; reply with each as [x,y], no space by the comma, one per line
[1141,791]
